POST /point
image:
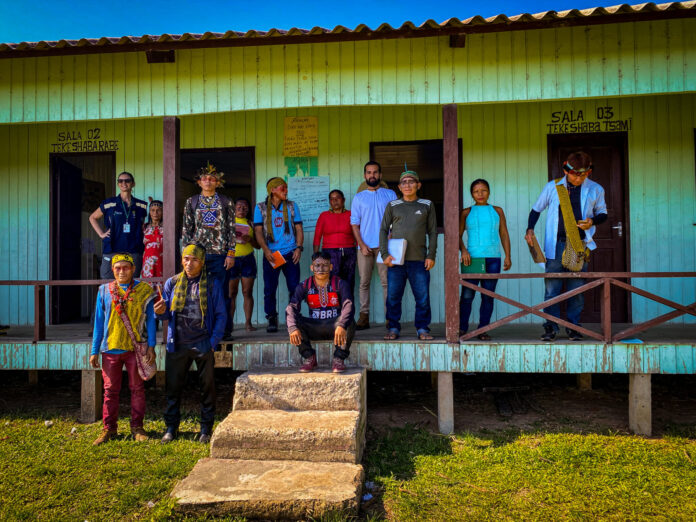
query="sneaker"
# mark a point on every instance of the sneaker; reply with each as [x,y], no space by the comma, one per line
[272,324]
[574,335]
[309,364]
[139,434]
[549,334]
[363,321]
[105,436]
[338,365]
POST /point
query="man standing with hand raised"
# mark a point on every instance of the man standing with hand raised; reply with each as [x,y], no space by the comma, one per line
[195,309]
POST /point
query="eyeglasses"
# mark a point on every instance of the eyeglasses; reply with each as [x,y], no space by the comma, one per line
[125,180]
[408,182]
[321,267]
[208,178]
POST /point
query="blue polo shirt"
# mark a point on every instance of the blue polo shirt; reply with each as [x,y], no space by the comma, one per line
[125,223]
[284,243]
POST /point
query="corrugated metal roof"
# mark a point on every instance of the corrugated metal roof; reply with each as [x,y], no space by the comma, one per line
[613,14]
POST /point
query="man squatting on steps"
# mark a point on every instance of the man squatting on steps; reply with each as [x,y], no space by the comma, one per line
[331,309]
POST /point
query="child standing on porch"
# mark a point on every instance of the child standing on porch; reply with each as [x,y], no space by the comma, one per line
[209,223]
[485,228]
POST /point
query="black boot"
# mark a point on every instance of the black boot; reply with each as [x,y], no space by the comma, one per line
[272,324]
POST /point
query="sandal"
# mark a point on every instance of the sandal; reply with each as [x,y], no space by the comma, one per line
[483,337]
[392,335]
[425,336]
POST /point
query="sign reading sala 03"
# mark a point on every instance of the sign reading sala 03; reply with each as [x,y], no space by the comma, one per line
[576,121]
[91,141]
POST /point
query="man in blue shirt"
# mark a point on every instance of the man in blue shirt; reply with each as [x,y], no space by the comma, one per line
[124,216]
[367,211]
[589,209]
[278,228]
[195,309]
[112,339]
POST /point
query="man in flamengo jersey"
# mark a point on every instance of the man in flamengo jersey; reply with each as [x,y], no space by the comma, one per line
[330,302]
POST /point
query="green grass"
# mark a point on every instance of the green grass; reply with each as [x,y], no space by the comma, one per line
[51,474]
[511,476]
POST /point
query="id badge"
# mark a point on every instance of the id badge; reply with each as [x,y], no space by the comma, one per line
[126,228]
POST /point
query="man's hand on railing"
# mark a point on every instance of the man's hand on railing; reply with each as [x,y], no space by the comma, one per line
[94,361]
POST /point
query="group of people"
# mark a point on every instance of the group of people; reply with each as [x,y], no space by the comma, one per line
[218,242]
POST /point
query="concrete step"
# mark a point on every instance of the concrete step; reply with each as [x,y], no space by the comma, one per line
[317,436]
[290,390]
[268,489]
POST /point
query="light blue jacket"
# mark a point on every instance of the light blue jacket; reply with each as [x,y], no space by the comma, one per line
[591,203]
[103,313]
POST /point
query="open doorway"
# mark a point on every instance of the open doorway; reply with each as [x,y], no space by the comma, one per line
[79,183]
[236,163]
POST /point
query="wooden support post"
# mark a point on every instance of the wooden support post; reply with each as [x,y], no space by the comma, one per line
[584,381]
[640,403]
[171,181]
[445,403]
[452,188]
[160,380]
[39,313]
[91,407]
[33,377]
[606,311]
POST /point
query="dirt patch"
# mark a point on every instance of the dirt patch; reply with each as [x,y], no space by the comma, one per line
[552,402]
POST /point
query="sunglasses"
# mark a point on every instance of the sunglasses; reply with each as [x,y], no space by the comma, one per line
[576,172]
[125,180]
[322,267]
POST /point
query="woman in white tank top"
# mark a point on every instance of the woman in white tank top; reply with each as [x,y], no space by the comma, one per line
[486,229]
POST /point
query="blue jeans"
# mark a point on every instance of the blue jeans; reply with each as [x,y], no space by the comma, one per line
[270,282]
[215,269]
[467,297]
[554,287]
[419,278]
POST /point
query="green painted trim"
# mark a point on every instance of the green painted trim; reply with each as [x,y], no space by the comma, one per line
[432,357]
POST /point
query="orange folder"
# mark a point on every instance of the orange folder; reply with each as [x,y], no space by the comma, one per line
[278,259]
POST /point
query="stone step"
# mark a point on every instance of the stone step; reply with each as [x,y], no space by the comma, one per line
[317,436]
[290,390]
[269,489]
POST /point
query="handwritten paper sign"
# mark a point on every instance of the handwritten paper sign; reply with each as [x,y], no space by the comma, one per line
[301,136]
[311,194]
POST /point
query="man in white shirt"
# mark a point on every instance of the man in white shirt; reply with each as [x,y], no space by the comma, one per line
[367,210]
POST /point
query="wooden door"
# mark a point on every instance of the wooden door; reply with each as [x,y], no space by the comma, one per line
[66,236]
[609,158]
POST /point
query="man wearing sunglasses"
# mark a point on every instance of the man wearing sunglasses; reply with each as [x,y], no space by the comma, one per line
[330,303]
[588,210]
[124,216]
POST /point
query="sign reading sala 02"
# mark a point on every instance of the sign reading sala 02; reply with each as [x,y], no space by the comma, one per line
[576,121]
[91,141]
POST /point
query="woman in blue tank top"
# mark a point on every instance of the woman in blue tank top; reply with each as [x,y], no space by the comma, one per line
[486,229]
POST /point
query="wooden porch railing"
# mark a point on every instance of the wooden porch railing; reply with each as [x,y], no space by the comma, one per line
[40,297]
[603,279]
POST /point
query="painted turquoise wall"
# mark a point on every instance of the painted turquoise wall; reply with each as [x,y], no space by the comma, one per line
[506,143]
[562,63]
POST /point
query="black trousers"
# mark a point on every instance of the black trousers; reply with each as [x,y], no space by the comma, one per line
[177,367]
[322,330]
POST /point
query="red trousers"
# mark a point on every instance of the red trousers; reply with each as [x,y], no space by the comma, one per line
[112,373]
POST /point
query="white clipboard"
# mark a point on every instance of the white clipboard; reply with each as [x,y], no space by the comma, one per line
[397,249]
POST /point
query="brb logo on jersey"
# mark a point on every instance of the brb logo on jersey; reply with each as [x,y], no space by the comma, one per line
[278,221]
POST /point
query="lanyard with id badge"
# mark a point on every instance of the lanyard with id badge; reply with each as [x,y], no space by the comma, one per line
[126,225]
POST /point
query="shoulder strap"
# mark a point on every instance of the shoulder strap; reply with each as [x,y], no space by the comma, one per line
[571,227]
[193,202]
